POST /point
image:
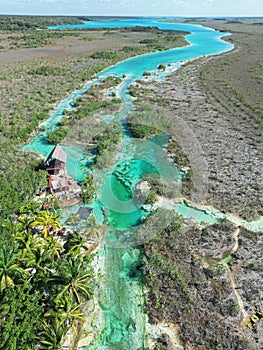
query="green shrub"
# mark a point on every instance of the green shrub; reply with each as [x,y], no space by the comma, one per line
[106,55]
[57,135]
[162,67]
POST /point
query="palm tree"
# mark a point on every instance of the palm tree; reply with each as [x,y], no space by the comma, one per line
[76,281]
[75,243]
[24,223]
[73,220]
[9,268]
[67,312]
[54,247]
[48,221]
[94,229]
[27,244]
[30,209]
[38,260]
[94,232]
[53,335]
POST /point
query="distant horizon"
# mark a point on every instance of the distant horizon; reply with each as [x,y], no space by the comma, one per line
[128,16]
[134,8]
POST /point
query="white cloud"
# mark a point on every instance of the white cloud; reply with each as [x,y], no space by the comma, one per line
[134,7]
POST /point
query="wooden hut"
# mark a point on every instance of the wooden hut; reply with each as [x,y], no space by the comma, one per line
[57,172]
[60,184]
[56,161]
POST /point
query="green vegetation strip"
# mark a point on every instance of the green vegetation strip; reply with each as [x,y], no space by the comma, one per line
[45,279]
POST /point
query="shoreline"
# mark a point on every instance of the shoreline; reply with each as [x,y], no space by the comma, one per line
[189,101]
[137,56]
[255,225]
[208,209]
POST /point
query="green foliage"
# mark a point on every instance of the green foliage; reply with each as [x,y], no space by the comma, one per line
[110,136]
[111,81]
[47,220]
[75,277]
[163,43]
[162,67]
[89,106]
[88,190]
[57,135]
[144,121]
[128,49]
[105,55]
[114,102]
[87,109]
[132,90]
[21,177]
[36,39]
[227,260]
[44,281]
[140,130]
[26,23]
[46,70]
[149,41]
[151,198]
[9,269]
[106,143]
[22,314]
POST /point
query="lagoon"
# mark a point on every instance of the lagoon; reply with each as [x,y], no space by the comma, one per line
[121,294]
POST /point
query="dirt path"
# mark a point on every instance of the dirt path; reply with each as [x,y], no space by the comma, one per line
[232,278]
[238,297]
[235,236]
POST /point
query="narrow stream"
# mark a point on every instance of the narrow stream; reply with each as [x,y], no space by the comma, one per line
[120,294]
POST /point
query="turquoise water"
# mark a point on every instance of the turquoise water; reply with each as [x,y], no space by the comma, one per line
[122,302]
[121,294]
[77,158]
[203,41]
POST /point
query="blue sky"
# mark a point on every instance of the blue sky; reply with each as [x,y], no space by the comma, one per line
[134,7]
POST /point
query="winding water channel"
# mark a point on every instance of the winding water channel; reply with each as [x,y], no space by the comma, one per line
[120,293]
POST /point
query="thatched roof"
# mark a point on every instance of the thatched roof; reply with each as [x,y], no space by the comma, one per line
[58,154]
[84,212]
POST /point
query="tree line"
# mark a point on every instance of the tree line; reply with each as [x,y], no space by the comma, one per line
[46,278]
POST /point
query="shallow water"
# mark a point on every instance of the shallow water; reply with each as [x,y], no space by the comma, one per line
[121,294]
[122,301]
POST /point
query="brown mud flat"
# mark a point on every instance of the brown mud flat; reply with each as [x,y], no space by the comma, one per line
[84,43]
